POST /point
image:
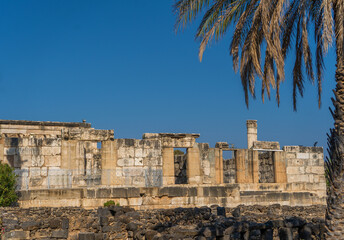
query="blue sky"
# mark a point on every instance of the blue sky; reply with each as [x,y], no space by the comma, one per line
[121,66]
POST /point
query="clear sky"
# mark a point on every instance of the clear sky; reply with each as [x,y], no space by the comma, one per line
[121,66]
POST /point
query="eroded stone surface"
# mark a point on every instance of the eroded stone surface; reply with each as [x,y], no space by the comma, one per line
[71,157]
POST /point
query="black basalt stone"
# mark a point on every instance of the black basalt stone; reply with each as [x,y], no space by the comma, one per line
[236,212]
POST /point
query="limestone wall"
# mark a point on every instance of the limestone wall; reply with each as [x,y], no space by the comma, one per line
[139,162]
[305,167]
[60,160]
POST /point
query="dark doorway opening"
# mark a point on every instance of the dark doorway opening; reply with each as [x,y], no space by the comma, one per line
[180,165]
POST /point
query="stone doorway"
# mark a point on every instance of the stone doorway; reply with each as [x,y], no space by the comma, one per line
[266,173]
[229,168]
[180,165]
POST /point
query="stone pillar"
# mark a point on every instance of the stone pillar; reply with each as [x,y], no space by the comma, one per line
[251,132]
[219,165]
[243,167]
[168,166]
[280,167]
[253,158]
[109,162]
[193,165]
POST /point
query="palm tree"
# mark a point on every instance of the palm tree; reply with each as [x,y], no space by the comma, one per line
[272,27]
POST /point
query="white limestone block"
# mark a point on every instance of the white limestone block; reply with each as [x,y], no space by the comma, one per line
[51,151]
[138,161]
[303,155]
[135,201]
[315,170]
[119,172]
[292,178]
[139,153]
[55,171]
[295,170]
[133,171]
[44,171]
[52,161]
[35,172]
[206,168]
[126,152]
[37,161]
[124,162]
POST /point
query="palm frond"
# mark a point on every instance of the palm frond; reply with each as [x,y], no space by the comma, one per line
[187,11]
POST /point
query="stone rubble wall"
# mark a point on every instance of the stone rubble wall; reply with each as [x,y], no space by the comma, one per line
[115,222]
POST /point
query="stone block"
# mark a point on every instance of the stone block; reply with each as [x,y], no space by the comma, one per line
[319,179]
[86,236]
[139,153]
[52,161]
[119,172]
[60,234]
[55,171]
[37,161]
[133,171]
[123,202]
[135,201]
[17,235]
[124,162]
[103,193]
[37,182]
[291,148]
[296,162]
[295,170]
[152,161]
[44,171]
[126,152]
[315,170]
[291,155]
[30,225]
[52,142]
[302,155]
[138,181]
[138,161]
[10,151]
[35,172]
[292,178]
[51,151]
[24,151]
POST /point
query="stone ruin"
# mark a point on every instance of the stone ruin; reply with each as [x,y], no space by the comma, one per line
[72,164]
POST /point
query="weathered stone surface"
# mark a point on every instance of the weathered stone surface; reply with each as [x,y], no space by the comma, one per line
[72,164]
[253,222]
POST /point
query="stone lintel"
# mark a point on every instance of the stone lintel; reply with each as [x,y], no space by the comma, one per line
[303,149]
[223,145]
[170,135]
[87,134]
[46,123]
[180,135]
[266,145]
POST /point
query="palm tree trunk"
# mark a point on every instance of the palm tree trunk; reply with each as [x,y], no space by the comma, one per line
[335,163]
